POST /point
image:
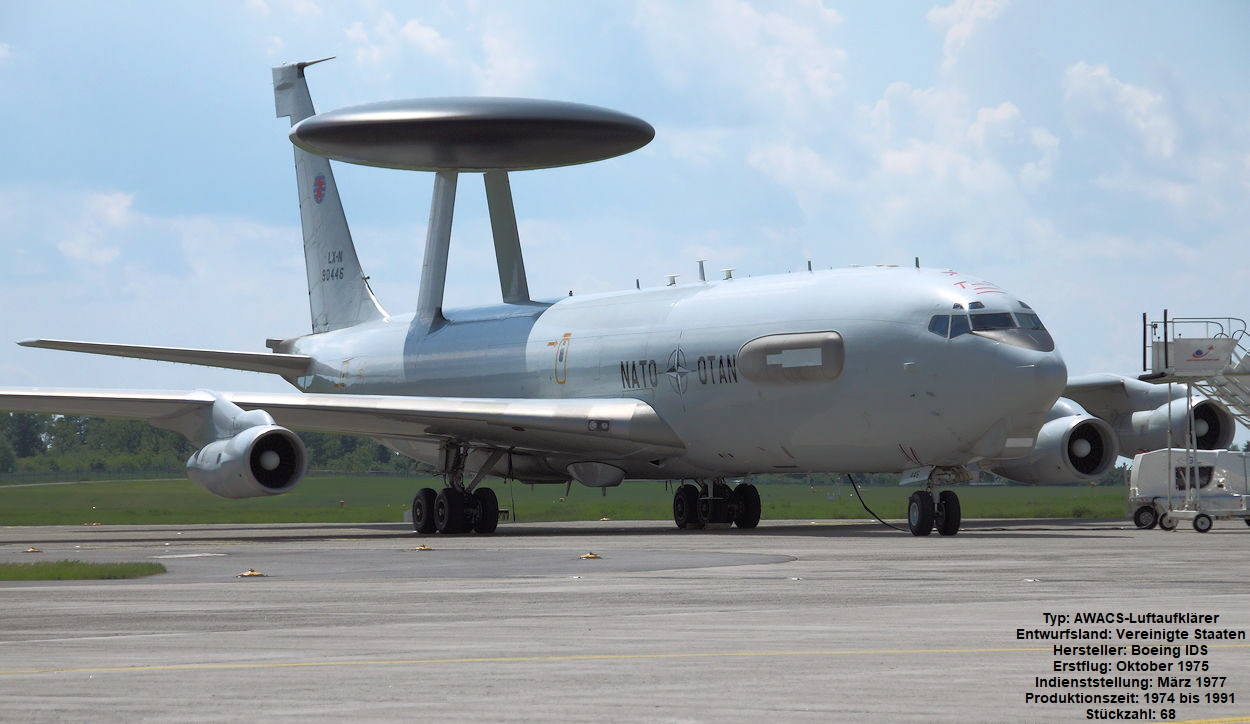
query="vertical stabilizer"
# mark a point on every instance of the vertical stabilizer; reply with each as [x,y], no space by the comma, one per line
[338,290]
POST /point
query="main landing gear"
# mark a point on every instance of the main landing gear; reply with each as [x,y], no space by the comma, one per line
[715,505]
[925,514]
[457,508]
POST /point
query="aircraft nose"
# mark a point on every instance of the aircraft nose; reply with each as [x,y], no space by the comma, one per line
[1050,375]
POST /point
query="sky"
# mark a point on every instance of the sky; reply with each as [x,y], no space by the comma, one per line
[1092,158]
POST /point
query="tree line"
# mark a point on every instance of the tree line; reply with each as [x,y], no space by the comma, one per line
[31,443]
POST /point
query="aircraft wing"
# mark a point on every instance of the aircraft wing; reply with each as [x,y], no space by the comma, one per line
[610,425]
[1102,395]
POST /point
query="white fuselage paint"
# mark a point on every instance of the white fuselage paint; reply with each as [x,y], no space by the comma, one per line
[904,398]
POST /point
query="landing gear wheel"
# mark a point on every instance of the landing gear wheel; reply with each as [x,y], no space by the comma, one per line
[747,500]
[1146,517]
[920,512]
[685,507]
[949,513]
[713,506]
[449,511]
[423,511]
[1202,522]
[1167,522]
[487,504]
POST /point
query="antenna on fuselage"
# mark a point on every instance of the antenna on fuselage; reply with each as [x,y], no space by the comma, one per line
[450,136]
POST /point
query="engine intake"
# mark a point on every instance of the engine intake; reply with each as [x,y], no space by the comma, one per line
[1069,449]
[261,460]
[1214,426]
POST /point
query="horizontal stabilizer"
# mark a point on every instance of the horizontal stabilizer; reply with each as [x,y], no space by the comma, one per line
[286,365]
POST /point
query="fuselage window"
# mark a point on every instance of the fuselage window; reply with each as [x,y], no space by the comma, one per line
[939,324]
[1029,321]
[959,325]
[993,320]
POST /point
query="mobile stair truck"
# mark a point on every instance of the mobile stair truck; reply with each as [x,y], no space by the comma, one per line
[1174,484]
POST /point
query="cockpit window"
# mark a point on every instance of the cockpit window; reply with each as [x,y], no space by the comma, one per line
[1029,321]
[993,320]
[954,325]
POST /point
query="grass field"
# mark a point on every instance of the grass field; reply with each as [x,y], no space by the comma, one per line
[368,499]
[76,571]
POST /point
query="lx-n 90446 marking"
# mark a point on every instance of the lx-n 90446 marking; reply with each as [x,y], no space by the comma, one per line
[923,372]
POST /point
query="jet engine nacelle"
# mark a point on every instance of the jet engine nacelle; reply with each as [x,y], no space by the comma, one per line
[1144,430]
[1073,446]
[260,460]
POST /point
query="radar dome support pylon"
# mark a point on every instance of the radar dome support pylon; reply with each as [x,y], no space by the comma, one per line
[491,136]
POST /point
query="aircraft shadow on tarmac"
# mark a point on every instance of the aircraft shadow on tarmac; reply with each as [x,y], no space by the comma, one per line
[295,532]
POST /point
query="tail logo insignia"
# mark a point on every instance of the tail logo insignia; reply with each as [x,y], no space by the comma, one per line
[319,189]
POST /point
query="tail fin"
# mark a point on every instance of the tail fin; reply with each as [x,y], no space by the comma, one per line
[338,291]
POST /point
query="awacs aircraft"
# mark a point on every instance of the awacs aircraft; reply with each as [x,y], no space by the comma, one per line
[911,370]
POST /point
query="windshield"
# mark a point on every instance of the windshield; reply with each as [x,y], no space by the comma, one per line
[993,320]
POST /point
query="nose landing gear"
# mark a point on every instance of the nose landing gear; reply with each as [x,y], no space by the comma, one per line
[924,514]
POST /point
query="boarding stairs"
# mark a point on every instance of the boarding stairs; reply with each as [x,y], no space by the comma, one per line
[1209,354]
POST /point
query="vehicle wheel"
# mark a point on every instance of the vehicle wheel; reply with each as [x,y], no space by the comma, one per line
[449,511]
[685,503]
[920,512]
[748,498]
[713,510]
[1146,517]
[1167,522]
[487,510]
[949,514]
[1247,520]
[423,511]
[1202,523]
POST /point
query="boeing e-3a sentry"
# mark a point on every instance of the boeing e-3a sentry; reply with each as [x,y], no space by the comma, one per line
[925,372]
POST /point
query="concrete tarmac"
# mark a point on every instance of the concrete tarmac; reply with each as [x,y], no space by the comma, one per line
[795,621]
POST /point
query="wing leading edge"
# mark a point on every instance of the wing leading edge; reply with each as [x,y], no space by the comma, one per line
[618,426]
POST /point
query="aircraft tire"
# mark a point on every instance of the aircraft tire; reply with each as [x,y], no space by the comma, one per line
[1146,517]
[685,507]
[920,513]
[1167,522]
[1202,523]
[449,511]
[487,511]
[423,511]
[748,499]
[949,513]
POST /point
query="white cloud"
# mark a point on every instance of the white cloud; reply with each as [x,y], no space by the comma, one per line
[86,238]
[1091,89]
[425,38]
[508,64]
[1034,174]
[960,21]
[998,120]
[786,64]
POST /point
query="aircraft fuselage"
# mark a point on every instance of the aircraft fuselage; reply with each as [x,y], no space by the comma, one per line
[901,396]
